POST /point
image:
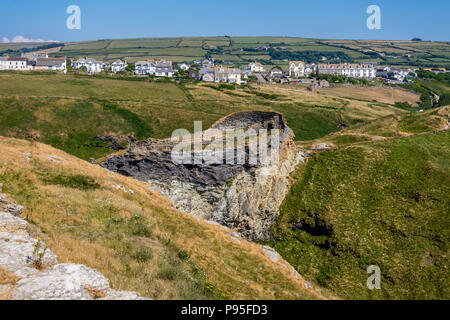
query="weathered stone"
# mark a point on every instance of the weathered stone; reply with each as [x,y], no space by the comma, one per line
[244,197]
[26,250]
[62,282]
[12,224]
[13,208]
[274,256]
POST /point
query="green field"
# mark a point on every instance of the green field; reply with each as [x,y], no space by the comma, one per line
[384,204]
[240,50]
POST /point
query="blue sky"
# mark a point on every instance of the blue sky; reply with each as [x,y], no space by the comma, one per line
[336,19]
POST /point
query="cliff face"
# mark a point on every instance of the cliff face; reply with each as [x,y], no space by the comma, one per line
[244,197]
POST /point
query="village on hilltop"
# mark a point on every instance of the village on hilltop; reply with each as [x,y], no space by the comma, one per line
[209,71]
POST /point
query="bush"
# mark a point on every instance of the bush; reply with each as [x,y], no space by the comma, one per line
[143,254]
[137,227]
[183,255]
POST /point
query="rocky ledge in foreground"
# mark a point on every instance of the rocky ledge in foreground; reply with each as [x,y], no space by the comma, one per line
[244,197]
[36,267]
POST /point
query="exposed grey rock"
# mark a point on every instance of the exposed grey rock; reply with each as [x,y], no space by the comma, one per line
[62,282]
[69,282]
[12,224]
[321,146]
[54,159]
[25,257]
[274,256]
[14,209]
[26,250]
[244,197]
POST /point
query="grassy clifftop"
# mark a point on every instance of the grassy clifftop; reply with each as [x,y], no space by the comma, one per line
[383,203]
[87,215]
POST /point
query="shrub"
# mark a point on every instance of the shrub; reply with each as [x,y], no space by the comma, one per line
[183,254]
[143,254]
[137,227]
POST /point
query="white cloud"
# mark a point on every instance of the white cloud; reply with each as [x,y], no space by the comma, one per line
[20,39]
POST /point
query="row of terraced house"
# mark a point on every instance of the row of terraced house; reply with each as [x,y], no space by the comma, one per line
[40,63]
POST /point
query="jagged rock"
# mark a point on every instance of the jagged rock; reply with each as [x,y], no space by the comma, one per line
[62,282]
[69,282]
[14,209]
[25,257]
[11,224]
[244,197]
[28,251]
[16,266]
[321,146]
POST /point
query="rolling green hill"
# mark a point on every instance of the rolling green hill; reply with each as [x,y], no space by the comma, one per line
[381,203]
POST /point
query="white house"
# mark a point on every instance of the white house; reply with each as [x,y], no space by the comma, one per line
[118,65]
[92,65]
[224,74]
[145,68]
[4,63]
[18,64]
[366,70]
[164,68]
[184,67]
[296,69]
[208,77]
[256,67]
[235,76]
[51,64]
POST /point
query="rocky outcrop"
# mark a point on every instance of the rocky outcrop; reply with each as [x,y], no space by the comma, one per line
[244,196]
[40,275]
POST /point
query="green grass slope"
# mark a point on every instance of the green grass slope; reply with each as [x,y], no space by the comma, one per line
[384,203]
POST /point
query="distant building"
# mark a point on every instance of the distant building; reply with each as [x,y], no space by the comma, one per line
[17,64]
[144,68]
[309,69]
[91,65]
[296,69]
[164,68]
[184,67]
[118,66]
[224,74]
[207,63]
[208,77]
[365,70]
[275,72]
[256,67]
[4,63]
[50,64]
[194,74]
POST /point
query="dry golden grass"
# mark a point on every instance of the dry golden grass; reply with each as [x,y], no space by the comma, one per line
[383,95]
[85,227]
[7,279]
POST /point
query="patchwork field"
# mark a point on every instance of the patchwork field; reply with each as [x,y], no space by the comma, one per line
[242,50]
